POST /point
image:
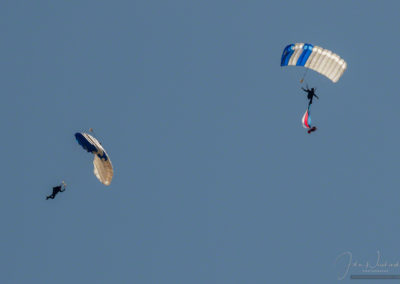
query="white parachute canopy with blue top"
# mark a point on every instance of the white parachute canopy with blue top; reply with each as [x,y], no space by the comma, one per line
[316,58]
[103,169]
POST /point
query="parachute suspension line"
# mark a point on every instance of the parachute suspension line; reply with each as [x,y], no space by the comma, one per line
[92,131]
[305,73]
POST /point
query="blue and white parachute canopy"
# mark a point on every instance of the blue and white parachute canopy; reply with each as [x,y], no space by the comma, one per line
[103,169]
[316,58]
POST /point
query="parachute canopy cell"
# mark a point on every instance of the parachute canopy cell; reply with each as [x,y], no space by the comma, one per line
[316,58]
[103,169]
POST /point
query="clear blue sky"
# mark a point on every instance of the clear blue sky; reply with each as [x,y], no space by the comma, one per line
[215,179]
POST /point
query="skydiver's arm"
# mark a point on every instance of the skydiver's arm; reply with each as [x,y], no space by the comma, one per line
[304,89]
[316,96]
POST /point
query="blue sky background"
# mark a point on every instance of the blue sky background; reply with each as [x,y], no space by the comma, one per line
[215,179]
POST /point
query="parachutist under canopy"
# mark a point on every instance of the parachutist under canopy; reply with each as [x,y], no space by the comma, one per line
[56,190]
[310,94]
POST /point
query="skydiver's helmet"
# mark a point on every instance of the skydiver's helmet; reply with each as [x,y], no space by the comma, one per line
[312,90]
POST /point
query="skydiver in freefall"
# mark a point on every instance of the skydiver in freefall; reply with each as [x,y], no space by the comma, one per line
[56,190]
[310,94]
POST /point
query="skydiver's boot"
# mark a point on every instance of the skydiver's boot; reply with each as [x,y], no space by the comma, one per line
[312,130]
